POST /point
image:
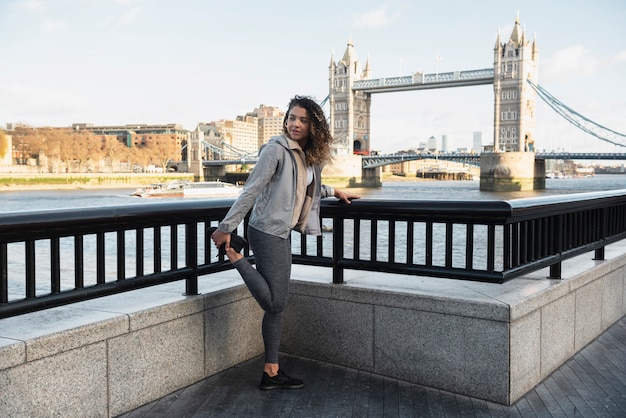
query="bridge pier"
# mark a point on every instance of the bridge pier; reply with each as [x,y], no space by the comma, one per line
[348,168]
[212,172]
[195,167]
[511,171]
[371,177]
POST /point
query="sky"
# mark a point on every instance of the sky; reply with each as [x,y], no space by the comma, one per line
[117,62]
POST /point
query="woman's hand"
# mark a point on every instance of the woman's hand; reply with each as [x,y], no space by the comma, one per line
[345,197]
[220,238]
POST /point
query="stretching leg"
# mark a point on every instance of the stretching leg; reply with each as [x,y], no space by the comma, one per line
[269,284]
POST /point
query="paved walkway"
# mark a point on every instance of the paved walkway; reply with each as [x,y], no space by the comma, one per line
[591,384]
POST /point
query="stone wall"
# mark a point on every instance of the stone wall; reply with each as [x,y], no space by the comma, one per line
[111,355]
[489,341]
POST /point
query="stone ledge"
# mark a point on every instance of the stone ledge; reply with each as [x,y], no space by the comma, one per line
[110,355]
[489,341]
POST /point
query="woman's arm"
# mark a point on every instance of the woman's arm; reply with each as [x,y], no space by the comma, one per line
[345,196]
[258,179]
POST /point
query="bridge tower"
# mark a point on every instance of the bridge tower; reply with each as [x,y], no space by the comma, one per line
[194,154]
[514,99]
[512,164]
[349,110]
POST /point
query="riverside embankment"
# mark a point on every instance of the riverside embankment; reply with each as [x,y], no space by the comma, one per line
[31,181]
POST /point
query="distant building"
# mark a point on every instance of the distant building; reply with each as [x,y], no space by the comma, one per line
[241,134]
[477,145]
[139,135]
[444,143]
[432,145]
[270,122]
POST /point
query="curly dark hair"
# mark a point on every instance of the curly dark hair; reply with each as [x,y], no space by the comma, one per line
[317,148]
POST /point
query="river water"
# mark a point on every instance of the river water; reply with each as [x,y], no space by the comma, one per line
[23,200]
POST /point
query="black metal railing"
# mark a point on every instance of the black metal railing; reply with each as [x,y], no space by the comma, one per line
[52,258]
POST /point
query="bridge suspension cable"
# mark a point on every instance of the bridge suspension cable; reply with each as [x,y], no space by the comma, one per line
[229,152]
[578,120]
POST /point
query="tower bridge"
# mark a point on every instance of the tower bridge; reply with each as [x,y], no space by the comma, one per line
[511,162]
[515,62]
[419,81]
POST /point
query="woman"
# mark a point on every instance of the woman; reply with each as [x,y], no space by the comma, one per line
[284,192]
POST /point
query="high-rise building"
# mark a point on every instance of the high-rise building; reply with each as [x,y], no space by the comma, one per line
[270,120]
[241,134]
[444,143]
[477,144]
[432,145]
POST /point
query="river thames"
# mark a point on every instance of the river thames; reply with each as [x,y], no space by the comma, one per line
[23,200]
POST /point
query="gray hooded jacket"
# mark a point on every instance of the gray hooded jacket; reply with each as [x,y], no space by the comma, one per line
[270,192]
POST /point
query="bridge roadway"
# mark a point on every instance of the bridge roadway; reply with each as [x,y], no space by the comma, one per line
[467,158]
[419,81]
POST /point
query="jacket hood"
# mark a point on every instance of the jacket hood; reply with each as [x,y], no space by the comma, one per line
[280,139]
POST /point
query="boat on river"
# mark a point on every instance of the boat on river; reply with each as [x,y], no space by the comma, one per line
[211,189]
[189,189]
[170,189]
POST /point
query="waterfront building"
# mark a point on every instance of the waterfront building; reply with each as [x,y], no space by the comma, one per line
[241,133]
[270,122]
[139,135]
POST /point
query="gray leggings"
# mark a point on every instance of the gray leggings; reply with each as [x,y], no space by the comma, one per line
[269,284]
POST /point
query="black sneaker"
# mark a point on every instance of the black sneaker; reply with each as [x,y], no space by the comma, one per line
[280,381]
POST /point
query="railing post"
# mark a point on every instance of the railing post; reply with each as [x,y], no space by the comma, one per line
[337,250]
[555,271]
[191,258]
[31,291]
[599,254]
[603,213]
[121,255]
[4,276]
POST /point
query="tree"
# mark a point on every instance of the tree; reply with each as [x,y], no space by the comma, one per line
[4,145]
[114,150]
[87,148]
[162,152]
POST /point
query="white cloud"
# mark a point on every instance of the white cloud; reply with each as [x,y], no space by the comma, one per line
[54,25]
[376,18]
[618,58]
[128,17]
[569,63]
[124,19]
[32,6]
[576,62]
[26,101]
